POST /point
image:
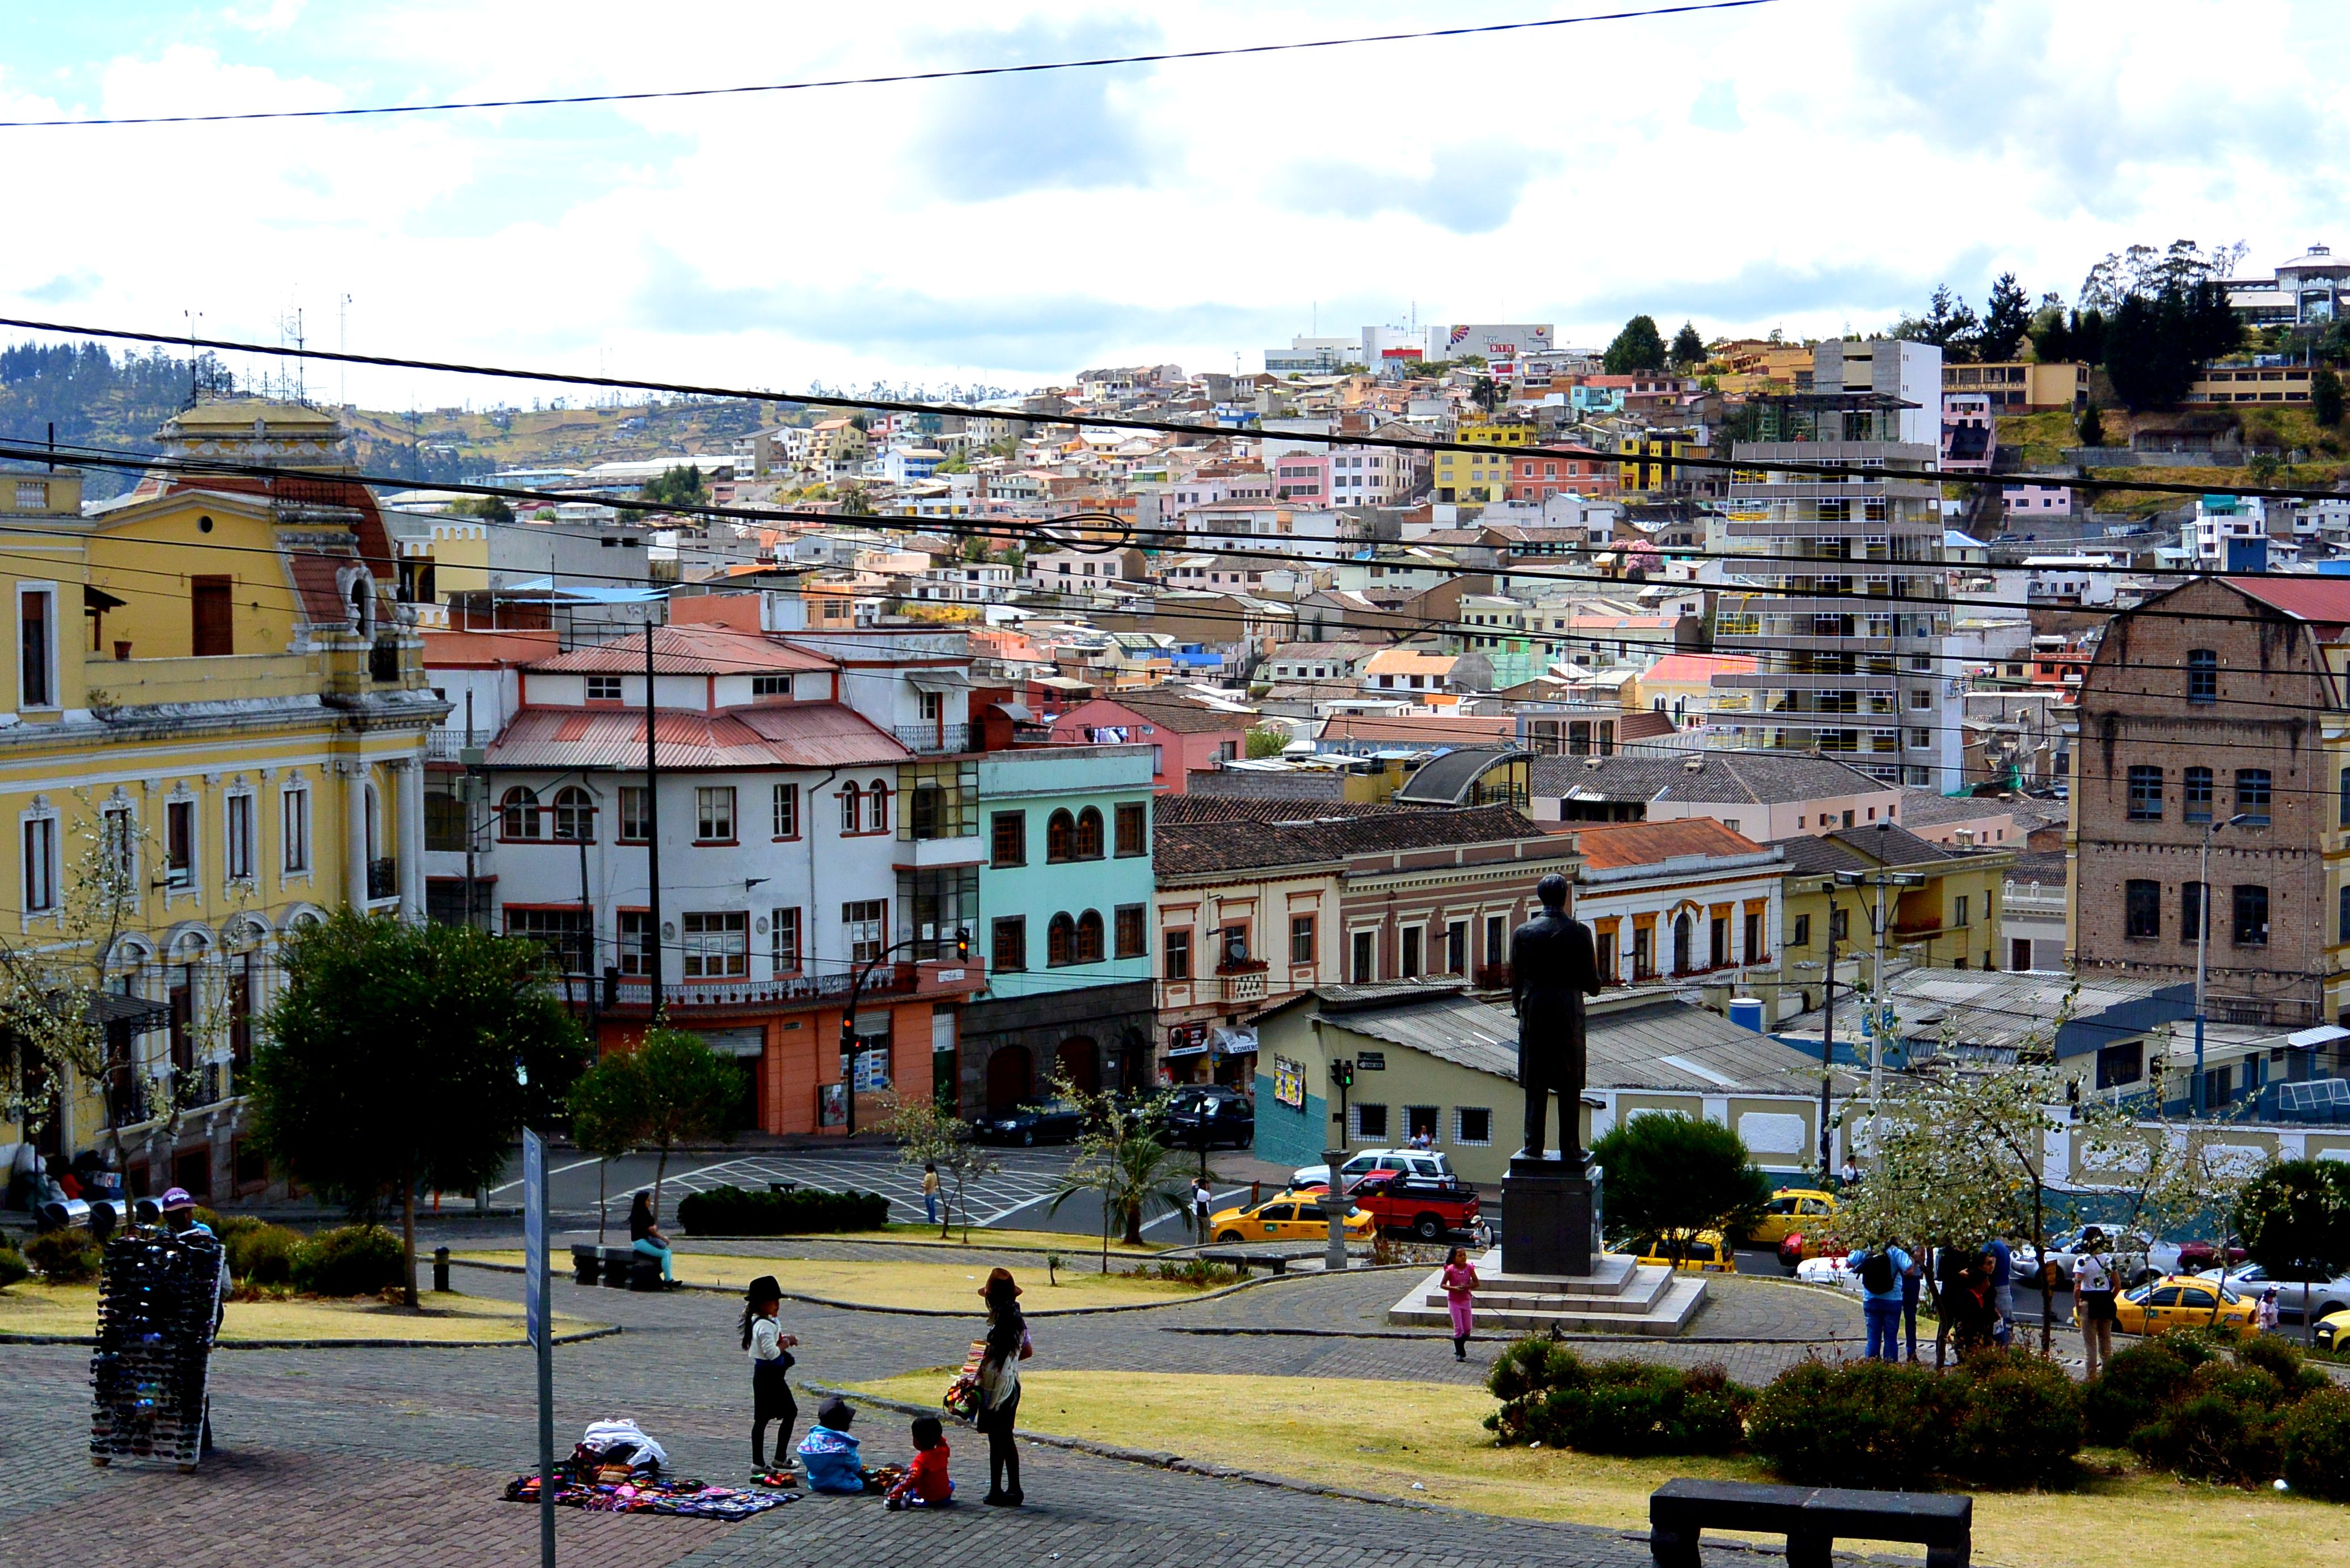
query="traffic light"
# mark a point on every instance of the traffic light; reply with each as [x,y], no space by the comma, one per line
[963,944]
[1342,1072]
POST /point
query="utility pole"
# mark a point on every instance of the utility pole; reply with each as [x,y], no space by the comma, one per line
[1828,1049]
[652,838]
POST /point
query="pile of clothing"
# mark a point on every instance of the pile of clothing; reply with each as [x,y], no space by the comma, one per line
[615,1469]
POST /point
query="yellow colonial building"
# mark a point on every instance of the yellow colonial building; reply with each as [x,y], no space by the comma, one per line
[212,702]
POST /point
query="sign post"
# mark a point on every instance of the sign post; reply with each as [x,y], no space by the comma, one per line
[534,1283]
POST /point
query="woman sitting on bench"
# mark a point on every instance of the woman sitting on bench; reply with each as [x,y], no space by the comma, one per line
[645,1233]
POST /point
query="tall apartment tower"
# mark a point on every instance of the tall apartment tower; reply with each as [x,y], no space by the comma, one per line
[1846,606]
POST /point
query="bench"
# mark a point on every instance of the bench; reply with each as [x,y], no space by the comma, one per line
[587,1262]
[1813,1518]
[1278,1263]
[625,1269]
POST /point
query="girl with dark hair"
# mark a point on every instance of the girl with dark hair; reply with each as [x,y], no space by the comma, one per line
[1460,1284]
[771,1358]
[1007,1346]
[645,1234]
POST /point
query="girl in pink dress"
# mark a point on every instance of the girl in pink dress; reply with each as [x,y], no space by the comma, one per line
[1459,1282]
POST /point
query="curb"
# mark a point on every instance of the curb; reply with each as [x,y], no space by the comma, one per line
[1557,1338]
[90,1341]
[1250,1283]
[933,1246]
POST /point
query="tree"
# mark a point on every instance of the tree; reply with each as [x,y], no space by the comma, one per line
[1948,323]
[2091,428]
[1636,347]
[1673,1175]
[492,507]
[929,1133]
[1267,740]
[2007,317]
[2295,1221]
[680,486]
[1485,392]
[398,1056]
[2325,396]
[671,1089]
[1119,1160]
[1688,349]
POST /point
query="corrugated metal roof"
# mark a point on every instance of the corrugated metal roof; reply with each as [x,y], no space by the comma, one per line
[789,734]
[687,650]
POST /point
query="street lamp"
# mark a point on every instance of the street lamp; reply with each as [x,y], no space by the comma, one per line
[857,991]
[2203,945]
[1879,922]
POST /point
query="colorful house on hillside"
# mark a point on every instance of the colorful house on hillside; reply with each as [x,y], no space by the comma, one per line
[1185,736]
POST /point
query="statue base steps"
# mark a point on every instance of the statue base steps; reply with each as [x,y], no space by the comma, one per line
[1620,1295]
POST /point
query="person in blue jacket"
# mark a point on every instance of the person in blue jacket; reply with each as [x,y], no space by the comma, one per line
[828,1454]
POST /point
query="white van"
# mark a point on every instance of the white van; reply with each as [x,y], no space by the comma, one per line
[1417,1162]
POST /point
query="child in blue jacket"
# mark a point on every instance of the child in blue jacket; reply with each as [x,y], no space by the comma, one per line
[828,1454]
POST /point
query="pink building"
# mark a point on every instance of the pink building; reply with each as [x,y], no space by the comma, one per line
[1184,736]
[2037,500]
[1302,477]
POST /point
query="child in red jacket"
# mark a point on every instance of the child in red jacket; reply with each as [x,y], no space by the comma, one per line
[926,1484]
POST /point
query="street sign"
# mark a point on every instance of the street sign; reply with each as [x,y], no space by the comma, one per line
[533,1235]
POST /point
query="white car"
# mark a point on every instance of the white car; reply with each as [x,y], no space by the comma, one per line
[1836,1274]
[1417,1162]
[2133,1255]
[2253,1282]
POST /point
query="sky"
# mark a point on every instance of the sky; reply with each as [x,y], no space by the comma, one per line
[1809,165]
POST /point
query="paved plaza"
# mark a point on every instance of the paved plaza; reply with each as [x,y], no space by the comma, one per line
[397,1457]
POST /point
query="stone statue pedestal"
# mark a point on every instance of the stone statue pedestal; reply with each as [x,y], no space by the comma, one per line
[1547,1217]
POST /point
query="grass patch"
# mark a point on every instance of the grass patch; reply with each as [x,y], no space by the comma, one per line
[443,1315]
[1382,1437]
[936,1287]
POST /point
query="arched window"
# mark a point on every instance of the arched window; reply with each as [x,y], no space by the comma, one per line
[1060,942]
[521,814]
[1089,835]
[2202,675]
[574,814]
[877,806]
[1683,935]
[849,821]
[1060,838]
[363,603]
[1089,937]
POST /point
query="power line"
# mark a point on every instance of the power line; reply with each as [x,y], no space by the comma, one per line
[1117,422]
[1164,56]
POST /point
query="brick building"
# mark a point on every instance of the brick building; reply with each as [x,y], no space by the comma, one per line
[2221,700]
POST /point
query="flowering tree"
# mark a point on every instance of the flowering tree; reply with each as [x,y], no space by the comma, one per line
[928,1133]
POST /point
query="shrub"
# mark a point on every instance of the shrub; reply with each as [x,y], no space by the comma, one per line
[13,1267]
[348,1260]
[2282,1359]
[2212,1437]
[737,1212]
[1618,1407]
[261,1254]
[2315,1439]
[2020,1423]
[2133,1389]
[1868,1424]
[235,1225]
[63,1257]
[1191,1272]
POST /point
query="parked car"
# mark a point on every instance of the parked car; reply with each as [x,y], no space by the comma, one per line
[1044,1121]
[1429,1207]
[1835,1272]
[2194,1257]
[2136,1257]
[1704,1252]
[1418,1161]
[2180,1300]
[1291,1217]
[1791,1209]
[1799,1245]
[2293,1296]
[2331,1333]
[1209,1118]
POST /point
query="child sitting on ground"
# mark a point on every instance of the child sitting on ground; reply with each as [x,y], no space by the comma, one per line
[828,1454]
[926,1484]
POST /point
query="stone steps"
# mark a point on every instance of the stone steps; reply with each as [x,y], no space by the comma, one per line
[1620,1296]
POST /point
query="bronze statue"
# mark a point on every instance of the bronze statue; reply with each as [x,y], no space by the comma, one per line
[1551,970]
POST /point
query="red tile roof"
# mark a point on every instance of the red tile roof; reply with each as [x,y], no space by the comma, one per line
[1652,843]
[784,735]
[686,650]
[2325,600]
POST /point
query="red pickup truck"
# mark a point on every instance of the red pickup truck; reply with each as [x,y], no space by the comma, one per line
[1429,1207]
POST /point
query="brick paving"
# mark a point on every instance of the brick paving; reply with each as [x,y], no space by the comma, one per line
[396,1457]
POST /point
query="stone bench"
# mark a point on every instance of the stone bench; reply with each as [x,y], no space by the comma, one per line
[1813,1518]
[1243,1261]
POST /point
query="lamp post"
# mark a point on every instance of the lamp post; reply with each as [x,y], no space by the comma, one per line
[2202,948]
[857,991]
[1879,922]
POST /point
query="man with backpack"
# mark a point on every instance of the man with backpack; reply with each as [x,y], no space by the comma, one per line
[1881,1269]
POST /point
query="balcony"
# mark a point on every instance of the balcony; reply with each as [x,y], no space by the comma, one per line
[935,740]
[1242,981]
[383,878]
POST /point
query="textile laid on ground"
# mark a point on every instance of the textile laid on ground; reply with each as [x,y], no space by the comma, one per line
[622,1441]
[685,1499]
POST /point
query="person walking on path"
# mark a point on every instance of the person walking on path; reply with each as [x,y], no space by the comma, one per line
[1880,1303]
[2264,1316]
[1007,1346]
[1203,1201]
[645,1234]
[770,1350]
[2093,1298]
[1912,1278]
[930,1191]
[1460,1284]
[2001,1259]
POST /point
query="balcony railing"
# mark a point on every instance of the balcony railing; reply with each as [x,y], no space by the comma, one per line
[935,739]
[383,878]
[888,979]
[1244,985]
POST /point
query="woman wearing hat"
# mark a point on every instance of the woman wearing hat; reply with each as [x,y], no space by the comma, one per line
[998,1387]
[771,1358]
[2093,1298]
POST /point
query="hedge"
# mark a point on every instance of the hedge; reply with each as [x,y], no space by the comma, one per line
[802,1211]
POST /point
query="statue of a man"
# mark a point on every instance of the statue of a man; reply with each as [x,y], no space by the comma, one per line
[1551,970]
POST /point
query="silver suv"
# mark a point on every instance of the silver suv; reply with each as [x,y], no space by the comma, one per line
[1417,1162]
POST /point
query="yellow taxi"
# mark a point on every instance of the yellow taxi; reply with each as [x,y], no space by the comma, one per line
[1792,1210]
[2181,1300]
[2332,1332]
[1291,1217]
[1704,1252]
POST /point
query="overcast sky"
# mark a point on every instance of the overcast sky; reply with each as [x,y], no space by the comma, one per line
[1804,164]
